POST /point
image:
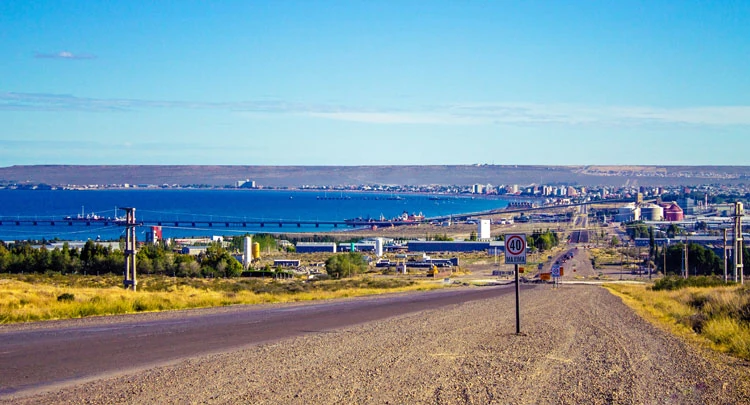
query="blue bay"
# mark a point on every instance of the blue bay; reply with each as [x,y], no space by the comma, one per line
[213,205]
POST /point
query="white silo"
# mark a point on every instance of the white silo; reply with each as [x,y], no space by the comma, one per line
[628,213]
[652,212]
[379,247]
[247,253]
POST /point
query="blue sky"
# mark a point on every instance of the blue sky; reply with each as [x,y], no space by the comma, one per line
[374,82]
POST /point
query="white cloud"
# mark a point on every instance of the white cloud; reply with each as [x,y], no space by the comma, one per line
[393,117]
[524,114]
[64,55]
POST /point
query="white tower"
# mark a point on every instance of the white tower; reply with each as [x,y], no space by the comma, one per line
[379,247]
[247,254]
[484,229]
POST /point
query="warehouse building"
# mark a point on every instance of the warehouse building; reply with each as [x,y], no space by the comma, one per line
[358,247]
[315,247]
[456,246]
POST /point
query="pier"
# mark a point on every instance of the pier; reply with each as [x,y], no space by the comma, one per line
[275,223]
[279,223]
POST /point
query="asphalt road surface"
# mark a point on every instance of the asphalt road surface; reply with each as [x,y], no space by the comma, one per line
[579,236]
[579,345]
[56,354]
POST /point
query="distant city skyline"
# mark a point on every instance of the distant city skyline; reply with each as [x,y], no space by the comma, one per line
[375,83]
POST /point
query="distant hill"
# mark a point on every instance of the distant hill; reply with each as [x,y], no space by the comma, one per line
[294,176]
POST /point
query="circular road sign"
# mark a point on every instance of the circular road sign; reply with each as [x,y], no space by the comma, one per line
[515,245]
[515,249]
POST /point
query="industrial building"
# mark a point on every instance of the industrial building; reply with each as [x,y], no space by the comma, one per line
[115,245]
[286,263]
[250,252]
[154,235]
[673,213]
[247,183]
[652,212]
[630,212]
[483,231]
[357,247]
[315,247]
[688,205]
[456,246]
[424,261]
[193,250]
[666,211]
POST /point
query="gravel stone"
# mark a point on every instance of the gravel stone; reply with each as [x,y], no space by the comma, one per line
[579,345]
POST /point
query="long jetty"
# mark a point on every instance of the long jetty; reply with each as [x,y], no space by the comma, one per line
[280,223]
[176,223]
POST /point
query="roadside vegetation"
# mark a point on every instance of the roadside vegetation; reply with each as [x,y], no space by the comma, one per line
[36,297]
[699,308]
[702,261]
[37,283]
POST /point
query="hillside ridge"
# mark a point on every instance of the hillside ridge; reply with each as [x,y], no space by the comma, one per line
[296,176]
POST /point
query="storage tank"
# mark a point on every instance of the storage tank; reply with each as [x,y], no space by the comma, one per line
[673,213]
[652,212]
[628,213]
[246,255]
[379,247]
[256,250]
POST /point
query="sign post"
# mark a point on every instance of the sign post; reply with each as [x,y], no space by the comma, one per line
[556,272]
[515,253]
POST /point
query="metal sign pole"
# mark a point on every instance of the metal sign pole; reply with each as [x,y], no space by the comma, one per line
[518,305]
[515,253]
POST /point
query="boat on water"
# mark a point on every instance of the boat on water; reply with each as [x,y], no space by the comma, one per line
[404,219]
[93,217]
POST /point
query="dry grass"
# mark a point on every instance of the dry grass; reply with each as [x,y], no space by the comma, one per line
[605,256]
[717,317]
[24,301]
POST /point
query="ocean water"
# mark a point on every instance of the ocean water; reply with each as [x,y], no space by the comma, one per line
[212,205]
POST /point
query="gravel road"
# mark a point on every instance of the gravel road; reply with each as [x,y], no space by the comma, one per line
[579,345]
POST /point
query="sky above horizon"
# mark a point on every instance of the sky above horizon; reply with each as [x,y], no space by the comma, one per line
[375,82]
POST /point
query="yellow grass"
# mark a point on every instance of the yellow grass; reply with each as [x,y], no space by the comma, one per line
[606,255]
[23,302]
[710,316]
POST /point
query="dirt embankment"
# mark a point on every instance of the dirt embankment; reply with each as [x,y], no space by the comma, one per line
[580,345]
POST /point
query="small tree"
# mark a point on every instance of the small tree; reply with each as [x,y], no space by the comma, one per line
[615,241]
[217,262]
[673,230]
[345,264]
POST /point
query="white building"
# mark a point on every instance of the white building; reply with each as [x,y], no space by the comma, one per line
[483,232]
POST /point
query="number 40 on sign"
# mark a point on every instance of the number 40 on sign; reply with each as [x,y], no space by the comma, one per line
[515,248]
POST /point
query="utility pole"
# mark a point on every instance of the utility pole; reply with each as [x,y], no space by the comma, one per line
[640,264]
[739,274]
[686,257]
[725,255]
[130,249]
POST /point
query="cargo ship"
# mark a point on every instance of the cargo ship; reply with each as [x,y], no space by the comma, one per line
[404,219]
[93,217]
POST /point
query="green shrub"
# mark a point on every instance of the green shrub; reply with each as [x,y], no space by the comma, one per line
[671,283]
[66,297]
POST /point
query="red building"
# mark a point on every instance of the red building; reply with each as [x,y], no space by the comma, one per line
[673,213]
[153,236]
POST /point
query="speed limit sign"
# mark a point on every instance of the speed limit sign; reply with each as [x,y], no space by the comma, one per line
[515,248]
